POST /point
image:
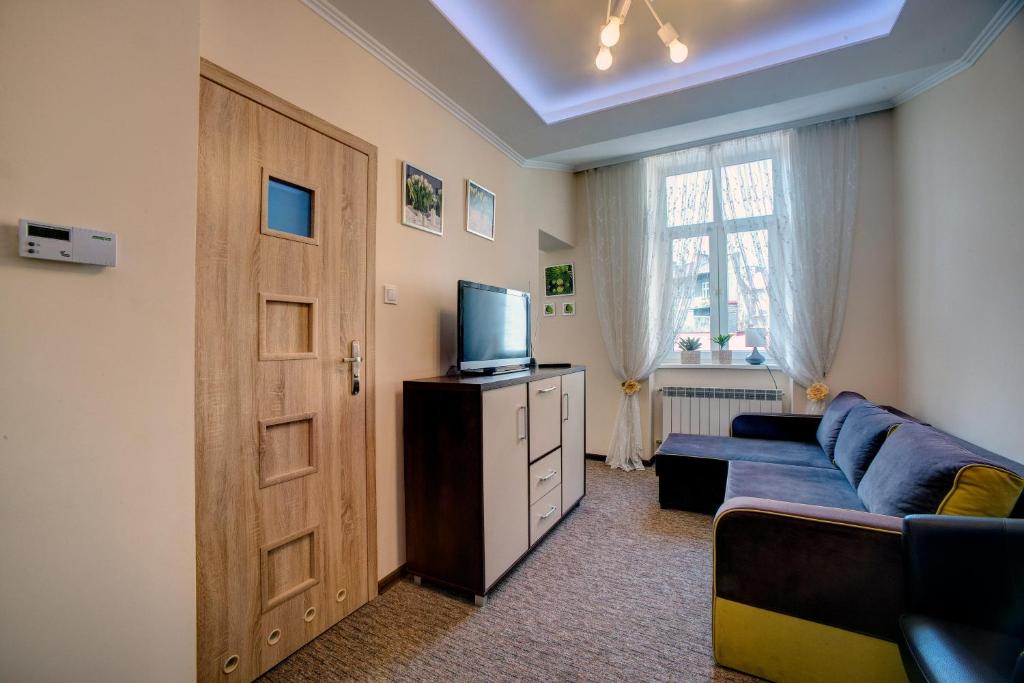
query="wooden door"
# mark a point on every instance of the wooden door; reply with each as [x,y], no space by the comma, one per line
[573,438]
[284,467]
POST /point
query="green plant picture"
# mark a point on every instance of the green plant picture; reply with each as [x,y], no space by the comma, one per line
[549,310]
[559,280]
[422,197]
[568,308]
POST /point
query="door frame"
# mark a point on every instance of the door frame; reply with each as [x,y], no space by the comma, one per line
[216,74]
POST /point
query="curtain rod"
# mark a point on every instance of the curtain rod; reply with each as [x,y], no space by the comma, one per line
[810,121]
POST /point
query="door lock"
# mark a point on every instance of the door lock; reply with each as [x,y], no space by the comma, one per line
[357,361]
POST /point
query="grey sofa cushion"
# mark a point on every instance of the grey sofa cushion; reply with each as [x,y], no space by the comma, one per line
[914,470]
[730,449]
[864,430]
[832,420]
[792,484]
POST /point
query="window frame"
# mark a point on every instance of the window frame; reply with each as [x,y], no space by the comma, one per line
[718,229]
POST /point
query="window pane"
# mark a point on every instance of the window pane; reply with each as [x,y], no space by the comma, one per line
[687,253]
[747,190]
[688,198]
[748,284]
[289,208]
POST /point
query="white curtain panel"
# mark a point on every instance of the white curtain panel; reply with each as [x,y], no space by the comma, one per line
[640,296]
[811,247]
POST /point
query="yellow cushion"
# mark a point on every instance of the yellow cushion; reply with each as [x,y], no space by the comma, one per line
[982,491]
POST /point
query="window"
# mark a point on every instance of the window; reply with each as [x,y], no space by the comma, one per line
[720,215]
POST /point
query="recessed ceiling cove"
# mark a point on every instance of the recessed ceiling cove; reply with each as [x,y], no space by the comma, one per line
[546,50]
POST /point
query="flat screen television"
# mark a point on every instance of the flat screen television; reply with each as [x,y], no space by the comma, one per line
[494,328]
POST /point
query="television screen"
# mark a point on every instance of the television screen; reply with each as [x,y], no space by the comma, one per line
[494,327]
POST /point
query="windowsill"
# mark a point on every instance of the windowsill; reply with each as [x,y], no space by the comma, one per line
[741,365]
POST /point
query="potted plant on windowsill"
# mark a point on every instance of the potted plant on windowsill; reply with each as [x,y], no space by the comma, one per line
[722,356]
[689,351]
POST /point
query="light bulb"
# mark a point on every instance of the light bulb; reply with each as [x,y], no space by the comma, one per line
[610,32]
[677,52]
[604,58]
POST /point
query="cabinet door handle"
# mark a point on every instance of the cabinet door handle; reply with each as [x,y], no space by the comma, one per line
[549,512]
[547,476]
[521,423]
[544,391]
[565,407]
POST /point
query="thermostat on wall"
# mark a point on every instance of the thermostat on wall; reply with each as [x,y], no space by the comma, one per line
[66,243]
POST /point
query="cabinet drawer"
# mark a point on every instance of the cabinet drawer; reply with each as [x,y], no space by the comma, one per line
[544,513]
[545,474]
[545,416]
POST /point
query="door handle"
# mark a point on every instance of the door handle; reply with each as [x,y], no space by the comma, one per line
[356,359]
[521,423]
[544,391]
[565,407]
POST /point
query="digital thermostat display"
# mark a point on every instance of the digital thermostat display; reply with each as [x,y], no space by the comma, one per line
[52,242]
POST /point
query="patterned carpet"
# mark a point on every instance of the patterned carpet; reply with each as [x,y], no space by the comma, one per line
[619,591]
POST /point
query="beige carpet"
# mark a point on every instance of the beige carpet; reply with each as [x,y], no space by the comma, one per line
[619,591]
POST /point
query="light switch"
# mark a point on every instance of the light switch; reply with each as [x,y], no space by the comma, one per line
[391,294]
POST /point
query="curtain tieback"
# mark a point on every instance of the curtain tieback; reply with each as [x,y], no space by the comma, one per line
[630,387]
[818,391]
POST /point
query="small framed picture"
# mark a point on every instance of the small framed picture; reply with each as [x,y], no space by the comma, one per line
[559,280]
[549,310]
[568,308]
[479,210]
[422,200]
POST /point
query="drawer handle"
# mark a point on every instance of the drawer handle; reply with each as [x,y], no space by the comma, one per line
[544,391]
[547,476]
[549,512]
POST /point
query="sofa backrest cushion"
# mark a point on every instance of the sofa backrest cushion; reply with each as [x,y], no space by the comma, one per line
[832,420]
[920,470]
[863,433]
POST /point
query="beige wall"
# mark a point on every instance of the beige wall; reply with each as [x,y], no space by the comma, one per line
[960,170]
[306,61]
[867,357]
[98,128]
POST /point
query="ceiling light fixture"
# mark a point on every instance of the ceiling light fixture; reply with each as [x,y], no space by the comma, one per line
[616,16]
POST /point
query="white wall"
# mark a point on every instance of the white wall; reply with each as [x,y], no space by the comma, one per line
[97,554]
[866,360]
[960,172]
[309,63]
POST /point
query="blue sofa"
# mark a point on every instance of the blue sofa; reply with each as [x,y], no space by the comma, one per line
[808,561]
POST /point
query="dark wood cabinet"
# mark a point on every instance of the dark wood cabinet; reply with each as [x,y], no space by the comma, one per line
[492,464]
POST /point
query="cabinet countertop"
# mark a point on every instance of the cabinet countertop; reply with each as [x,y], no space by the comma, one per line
[488,382]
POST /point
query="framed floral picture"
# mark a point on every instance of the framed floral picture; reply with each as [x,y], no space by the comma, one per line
[559,280]
[422,200]
[479,210]
[549,310]
[569,308]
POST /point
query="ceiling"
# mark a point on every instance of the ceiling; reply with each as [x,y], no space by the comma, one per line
[522,71]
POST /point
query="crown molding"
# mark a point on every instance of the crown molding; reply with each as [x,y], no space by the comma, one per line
[988,35]
[336,18]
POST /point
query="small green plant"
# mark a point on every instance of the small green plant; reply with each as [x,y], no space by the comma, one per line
[688,344]
[722,340]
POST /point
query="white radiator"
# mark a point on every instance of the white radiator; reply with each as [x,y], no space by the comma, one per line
[692,410]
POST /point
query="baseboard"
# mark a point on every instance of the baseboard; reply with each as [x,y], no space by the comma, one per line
[390,579]
[595,456]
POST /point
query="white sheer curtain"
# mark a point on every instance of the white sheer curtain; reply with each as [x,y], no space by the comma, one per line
[811,248]
[640,295]
[796,232]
